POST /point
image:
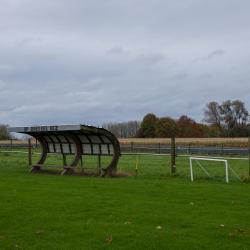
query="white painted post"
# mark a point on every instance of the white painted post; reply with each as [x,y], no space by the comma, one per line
[191,169]
[226,172]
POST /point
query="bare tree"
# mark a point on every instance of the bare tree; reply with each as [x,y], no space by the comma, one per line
[230,117]
[123,129]
[227,113]
[240,114]
[235,116]
[212,115]
[4,132]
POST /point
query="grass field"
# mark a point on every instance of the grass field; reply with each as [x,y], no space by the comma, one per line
[149,164]
[156,211]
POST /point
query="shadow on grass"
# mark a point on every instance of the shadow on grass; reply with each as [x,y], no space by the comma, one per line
[117,174]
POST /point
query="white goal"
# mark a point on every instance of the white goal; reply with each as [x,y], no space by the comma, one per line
[209,159]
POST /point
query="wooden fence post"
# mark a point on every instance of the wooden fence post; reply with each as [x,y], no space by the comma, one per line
[159,148]
[189,149]
[99,161]
[172,155]
[131,146]
[11,143]
[82,164]
[29,150]
[64,160]
[221,150]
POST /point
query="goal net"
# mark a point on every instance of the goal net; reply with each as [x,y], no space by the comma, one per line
[210,168]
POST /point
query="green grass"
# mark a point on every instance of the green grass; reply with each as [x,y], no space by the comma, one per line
[76,212]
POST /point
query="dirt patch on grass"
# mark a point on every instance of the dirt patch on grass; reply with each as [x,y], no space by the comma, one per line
[117,174]
[121,174]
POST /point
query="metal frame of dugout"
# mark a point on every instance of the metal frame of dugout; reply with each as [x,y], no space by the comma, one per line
[74,140]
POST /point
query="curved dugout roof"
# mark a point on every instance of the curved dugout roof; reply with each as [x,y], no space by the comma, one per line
[74,139]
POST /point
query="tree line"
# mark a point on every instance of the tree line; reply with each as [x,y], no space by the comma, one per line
[228,119]
[166,127]
[154,127]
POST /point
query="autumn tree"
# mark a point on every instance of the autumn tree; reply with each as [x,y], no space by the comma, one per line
[189,128]
[138,133]
[148,125]
[166,127]
[214,130]
[208,131]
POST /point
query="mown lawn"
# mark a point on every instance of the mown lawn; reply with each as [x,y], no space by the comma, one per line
[155,211]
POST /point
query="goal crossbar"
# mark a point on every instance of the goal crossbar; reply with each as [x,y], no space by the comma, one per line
[208,159]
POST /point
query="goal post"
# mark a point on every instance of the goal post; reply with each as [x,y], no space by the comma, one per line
[206,159]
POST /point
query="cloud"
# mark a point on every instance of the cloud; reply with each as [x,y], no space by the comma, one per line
[2,85]
[149,59]
[179,76]
[217,52]
[92,62]
[30,40]
[6,69]
[205,76]
[117,51]
[94,83]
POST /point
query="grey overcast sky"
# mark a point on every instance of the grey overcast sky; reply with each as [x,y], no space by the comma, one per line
[99,61]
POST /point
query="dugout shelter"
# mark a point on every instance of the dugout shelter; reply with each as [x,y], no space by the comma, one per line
[77,140]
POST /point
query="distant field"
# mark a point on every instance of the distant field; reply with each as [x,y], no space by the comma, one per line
[14,141]
[227,142]
[208,142]
[162,140]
